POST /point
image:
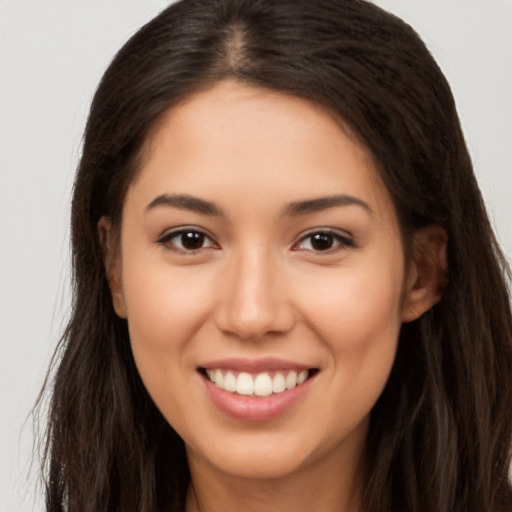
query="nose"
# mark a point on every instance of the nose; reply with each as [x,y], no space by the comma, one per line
[254,300]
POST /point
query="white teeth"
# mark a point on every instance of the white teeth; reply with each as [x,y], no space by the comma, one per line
[219,378]
[302,376]
[229,382]
[291,380]
[261,384]
[278,383]
[244,384]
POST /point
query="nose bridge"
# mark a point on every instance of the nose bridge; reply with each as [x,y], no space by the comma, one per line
[254,300]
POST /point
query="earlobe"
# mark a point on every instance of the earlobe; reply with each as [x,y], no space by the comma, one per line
[111,260]
[426,277]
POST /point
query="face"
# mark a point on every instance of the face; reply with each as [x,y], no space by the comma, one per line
[261,271]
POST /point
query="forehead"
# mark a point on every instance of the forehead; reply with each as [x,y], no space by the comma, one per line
[236,139]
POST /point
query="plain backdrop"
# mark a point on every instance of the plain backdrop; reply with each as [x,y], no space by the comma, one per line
[52,54]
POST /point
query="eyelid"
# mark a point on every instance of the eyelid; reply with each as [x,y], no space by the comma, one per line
[344,239]
[170,234]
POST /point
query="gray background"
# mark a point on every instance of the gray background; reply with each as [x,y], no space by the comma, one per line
[52,54]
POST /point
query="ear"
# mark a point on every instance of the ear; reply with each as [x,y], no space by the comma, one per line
[426,278]
[112,261]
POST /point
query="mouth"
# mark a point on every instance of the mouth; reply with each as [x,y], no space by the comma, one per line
[258,385]
[257,390]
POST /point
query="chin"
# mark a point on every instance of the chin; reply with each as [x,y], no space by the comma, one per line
[265,455]
[252,457]
[258,466]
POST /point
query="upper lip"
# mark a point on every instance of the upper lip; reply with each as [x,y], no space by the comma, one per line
[259,365]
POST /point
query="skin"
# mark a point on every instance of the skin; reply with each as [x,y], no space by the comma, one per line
[257,287]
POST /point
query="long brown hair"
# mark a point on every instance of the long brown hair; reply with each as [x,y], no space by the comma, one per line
[441,432]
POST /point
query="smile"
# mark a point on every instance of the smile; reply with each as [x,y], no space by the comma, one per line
[257,389]
[258,385]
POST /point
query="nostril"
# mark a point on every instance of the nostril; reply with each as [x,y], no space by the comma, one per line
[254,323]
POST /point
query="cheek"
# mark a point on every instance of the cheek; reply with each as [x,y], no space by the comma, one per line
[164,305]
[164,311]
[358,322]
[358,318]
[358,310]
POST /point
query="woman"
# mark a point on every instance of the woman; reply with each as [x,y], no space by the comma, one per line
[280,303]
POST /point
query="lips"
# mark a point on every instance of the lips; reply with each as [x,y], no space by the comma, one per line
[256,390]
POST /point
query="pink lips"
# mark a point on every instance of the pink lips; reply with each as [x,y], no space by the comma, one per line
[249,408]
[255,365]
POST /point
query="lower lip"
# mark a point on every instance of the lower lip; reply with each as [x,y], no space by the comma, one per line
[250,408]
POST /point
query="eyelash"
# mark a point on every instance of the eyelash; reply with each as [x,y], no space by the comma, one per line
[341,241]
[167,239]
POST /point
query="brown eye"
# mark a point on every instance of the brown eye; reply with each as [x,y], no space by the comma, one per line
[187,241]
[324,241]
[192,240]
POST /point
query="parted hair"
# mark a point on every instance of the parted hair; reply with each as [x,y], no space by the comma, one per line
[440,435]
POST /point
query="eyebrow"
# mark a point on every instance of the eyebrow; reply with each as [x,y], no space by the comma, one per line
[323,203]
[186,202]
[296,208]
